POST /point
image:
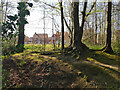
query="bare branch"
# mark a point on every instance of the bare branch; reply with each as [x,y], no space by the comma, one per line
[91,8]
[67,25]
[51,5]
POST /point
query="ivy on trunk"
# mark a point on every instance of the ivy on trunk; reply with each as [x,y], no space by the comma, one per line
[22,13]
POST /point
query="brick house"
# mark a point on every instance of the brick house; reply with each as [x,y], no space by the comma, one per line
[58,38]
[39,38]
[28,40]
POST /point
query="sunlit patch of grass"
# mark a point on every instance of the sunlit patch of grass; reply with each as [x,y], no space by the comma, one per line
[91,59]
[97,73]
[101,64]
[115,57]
[17,54]
[97,67]
[96,47]
[38,47]
[104,58]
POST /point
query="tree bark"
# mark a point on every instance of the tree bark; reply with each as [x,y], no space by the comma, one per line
[108,47]
[21,36]
[95,26]
[77,30]
[62,24]
[83,19]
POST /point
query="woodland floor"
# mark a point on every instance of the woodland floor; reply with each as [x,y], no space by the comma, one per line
[53,69]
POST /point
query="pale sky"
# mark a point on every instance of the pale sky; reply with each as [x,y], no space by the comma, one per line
[36,21]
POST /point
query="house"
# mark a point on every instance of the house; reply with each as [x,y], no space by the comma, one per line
[57,38]
[27,41]
[31,39]
[49,40]
[39,38]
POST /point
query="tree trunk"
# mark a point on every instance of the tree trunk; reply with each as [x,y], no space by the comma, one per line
[71,40]
[108,48]
[2,13]
[77,40]
[83,19]
[95,26]
[77,30]
[21,37]
[62,24]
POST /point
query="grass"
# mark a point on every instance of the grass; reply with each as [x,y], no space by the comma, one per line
[40,47]
[96,47]
[53,69]
[103,74]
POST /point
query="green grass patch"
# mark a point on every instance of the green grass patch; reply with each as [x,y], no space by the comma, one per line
[96,47]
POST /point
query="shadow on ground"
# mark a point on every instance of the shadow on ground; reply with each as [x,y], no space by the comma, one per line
[103,76]
[33,70]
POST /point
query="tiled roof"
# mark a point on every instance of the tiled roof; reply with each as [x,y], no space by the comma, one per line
[40,35]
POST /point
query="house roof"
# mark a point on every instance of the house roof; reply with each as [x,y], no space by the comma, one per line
[31,37]
[60,34]
[26,37]
[40,35]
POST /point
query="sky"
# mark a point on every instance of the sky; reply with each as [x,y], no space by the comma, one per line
[35,20]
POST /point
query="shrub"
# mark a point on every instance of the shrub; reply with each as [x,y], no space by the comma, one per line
[8,49]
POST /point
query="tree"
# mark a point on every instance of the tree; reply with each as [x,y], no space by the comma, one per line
[9,28]
[75,22]
[62,24]
[22,12]
[108,47]
[71,17]
[1,12]
[96,26]
[78,30]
